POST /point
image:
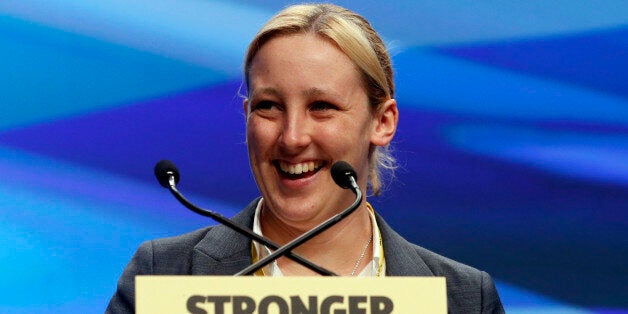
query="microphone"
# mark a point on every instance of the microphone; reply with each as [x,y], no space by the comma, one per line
[342,172]
[168,176]
[164,171]
[344,175]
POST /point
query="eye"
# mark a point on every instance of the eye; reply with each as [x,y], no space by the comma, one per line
[322,106]
[265,105]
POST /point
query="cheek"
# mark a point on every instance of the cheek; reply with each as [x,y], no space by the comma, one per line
[259,136]
[346,136]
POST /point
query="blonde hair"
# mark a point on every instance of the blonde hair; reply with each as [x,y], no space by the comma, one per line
[358,40]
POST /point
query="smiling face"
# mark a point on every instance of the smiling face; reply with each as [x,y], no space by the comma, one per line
[307,108]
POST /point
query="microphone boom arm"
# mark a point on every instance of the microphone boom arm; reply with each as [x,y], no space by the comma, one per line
[244,231]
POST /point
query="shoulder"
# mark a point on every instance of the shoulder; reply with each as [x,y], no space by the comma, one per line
[457,273]
[177,244]
[170,255]
[186,254]
[174,255]
[469,290]
[166,256]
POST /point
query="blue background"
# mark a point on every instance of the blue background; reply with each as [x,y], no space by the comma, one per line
[512,142]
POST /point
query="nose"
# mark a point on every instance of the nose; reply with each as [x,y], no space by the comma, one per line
[295,134]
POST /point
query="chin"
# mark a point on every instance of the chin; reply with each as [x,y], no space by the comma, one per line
[298,210]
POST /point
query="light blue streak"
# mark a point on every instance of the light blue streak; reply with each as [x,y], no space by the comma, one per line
[520,300]
[192,29]
[587,156]
[211,34]
[49,74]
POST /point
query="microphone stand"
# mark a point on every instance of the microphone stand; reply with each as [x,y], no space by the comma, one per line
[244,231]
[285,250]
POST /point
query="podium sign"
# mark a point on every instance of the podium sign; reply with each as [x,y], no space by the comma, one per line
[287,295]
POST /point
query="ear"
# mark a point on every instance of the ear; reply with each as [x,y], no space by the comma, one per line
[385,123]
[246,109]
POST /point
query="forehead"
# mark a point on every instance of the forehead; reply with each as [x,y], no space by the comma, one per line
[302,47]
[303,57]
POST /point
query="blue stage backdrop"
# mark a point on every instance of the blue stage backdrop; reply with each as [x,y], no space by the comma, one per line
[512,143]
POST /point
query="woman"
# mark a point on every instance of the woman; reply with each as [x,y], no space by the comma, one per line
[320,89]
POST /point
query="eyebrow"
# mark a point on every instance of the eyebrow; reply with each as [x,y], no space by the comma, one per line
[265,91]
[310,92]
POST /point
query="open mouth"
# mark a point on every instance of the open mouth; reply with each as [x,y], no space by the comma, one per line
[298,170]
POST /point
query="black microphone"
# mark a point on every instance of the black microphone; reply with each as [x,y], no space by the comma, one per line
[342,172]
[344,175]
[166,170]
[168,176]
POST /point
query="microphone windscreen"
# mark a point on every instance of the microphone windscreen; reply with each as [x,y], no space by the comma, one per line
[341,171]
[163,170]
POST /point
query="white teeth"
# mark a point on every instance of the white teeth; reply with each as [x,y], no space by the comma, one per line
[300,167]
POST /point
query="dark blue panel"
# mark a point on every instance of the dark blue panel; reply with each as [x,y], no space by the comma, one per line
[596,59]
[201,131]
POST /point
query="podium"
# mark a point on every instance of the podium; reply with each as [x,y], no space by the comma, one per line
[287,295]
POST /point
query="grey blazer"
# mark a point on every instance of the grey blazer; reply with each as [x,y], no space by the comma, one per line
[218,250]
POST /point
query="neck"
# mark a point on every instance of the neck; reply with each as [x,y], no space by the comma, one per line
[337,249]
